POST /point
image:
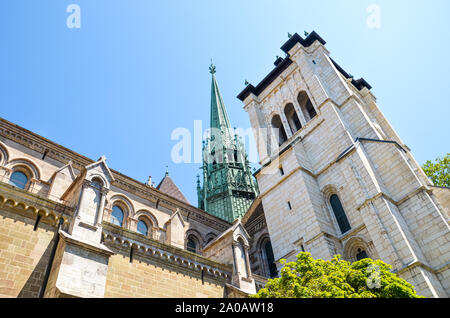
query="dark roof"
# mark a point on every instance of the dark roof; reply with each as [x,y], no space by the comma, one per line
[169,187]
[359,83]
[310,39]
[281,64]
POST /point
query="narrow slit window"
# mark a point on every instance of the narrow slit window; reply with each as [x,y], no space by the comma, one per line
[339,213]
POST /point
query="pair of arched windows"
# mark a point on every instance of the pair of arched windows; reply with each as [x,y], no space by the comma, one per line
[193,242]
[117,217]
[307,109]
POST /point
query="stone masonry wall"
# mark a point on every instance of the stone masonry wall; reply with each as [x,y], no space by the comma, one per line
[24,255]
[348,149]
[145,278]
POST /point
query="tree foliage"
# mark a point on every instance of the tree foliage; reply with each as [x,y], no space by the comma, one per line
[438,171]
[310,278]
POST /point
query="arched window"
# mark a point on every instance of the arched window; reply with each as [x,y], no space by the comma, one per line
[142,228]
[291,115]
[117,216]
[18,179]
[277,125]
[306,106]
[210,237]
[361,254]
[267,247]
[192,244]
[339,213]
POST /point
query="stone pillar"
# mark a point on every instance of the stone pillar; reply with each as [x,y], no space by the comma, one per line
[85,184]
[247,263]
[242,277]
[80,264]
[104,191]
[132,224]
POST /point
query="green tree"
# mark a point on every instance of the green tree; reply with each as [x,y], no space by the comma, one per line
[310,278]
[438,171]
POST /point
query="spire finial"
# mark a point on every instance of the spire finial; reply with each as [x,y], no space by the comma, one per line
[212,68]
[167,171]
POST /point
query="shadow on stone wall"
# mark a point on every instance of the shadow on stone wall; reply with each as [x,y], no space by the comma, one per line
[34,282]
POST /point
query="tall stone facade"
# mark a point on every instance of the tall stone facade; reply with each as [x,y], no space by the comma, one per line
[73,227]
[336,178]
[228,184]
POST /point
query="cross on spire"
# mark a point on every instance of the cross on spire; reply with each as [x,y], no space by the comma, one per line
[212,68]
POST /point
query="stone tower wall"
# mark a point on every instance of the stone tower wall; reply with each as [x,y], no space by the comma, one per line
[351,150]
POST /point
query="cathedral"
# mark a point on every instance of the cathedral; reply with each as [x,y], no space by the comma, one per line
[334,178]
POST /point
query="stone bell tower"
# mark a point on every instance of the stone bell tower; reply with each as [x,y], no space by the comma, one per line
[336,178]
[228,185]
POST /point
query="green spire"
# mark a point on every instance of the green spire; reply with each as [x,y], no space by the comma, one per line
[228,185]
[219,116]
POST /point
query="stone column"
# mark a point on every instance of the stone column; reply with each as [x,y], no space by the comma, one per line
[132,224]
[104,191]
[85,184]
[247,262]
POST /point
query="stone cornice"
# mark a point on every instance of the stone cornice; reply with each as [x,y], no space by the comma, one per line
[285,256]
[64,155]
[161,252]
[344,154]
[30,205]
[422,265]
[257,224]
[99,249]
[394,202]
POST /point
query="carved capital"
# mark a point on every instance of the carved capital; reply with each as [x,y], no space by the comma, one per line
[86,183]
[104,190]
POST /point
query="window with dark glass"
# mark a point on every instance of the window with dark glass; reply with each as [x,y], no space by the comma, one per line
[361,254]
[339,213]
[306,106]
[292,118]
[310,108]
[142,228]
[117,215]
[270,259]
[18,179]
[191,244]
[279,129]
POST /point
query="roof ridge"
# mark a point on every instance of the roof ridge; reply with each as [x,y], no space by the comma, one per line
[168,186]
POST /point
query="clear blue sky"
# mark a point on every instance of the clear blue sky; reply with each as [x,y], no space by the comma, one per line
[136,70]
